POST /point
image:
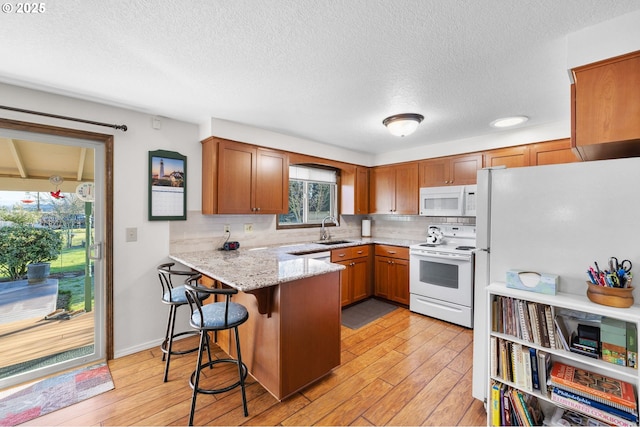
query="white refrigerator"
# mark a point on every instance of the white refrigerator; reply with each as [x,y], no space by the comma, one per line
[556,219]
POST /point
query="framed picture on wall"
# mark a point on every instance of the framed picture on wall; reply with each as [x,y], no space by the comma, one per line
[167,186]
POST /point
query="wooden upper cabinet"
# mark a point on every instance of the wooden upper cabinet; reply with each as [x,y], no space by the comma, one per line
[394,189]
[552,152]
[354,185]
[511,157]
[454,170]
[605,108]
[243,179]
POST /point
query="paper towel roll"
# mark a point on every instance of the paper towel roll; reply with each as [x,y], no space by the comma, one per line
[366,228]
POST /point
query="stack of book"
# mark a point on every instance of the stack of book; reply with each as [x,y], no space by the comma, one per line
[526,367]
[530,321]
[511,407]
[606,399]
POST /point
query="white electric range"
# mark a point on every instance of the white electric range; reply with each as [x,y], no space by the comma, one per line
[442,274]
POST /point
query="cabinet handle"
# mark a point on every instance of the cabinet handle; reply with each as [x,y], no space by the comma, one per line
[258,209]
[391,252]
[341,255]
[359,252]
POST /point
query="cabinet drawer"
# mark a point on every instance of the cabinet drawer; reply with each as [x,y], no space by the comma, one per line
[392,251]
[349,253]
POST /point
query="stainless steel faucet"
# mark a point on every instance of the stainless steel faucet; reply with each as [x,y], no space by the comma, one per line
[324,233]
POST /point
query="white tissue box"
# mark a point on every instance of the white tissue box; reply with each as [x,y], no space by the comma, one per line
[530,281]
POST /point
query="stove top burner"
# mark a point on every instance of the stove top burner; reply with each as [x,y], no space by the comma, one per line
[465,248]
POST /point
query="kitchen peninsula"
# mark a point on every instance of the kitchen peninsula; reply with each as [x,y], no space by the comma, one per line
[292,337]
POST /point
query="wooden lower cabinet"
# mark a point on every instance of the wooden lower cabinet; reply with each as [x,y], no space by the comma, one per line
[392,273]
[292,337]
[355,279]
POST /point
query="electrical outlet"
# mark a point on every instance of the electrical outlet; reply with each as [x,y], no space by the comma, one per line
[227,228]
[248,228]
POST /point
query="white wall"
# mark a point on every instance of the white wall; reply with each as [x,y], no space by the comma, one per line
[139,316]
[605,40]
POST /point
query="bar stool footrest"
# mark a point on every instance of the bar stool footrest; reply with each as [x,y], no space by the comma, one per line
[222,389]
[163,346]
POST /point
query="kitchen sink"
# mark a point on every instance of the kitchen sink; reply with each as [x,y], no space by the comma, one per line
[333,242]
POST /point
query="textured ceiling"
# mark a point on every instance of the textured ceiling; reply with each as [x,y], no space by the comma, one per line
[324,70]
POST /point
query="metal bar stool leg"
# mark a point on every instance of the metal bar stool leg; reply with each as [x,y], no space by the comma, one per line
[241,373]
[167,334]
[196,379]
[169,343]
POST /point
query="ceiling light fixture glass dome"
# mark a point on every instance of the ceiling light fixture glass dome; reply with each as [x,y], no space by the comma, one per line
[403,124]
[506,122]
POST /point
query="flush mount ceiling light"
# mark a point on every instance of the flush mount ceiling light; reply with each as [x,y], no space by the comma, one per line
[403,124]
[506,122]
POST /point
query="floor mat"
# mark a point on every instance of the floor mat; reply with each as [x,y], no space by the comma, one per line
[358,315]
[29,401]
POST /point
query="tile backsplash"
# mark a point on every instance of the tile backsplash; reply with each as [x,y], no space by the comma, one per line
[206,232]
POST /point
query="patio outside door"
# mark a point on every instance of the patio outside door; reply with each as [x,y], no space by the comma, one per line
[56,324]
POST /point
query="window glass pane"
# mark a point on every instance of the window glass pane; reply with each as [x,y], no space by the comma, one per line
[296,204]
[319,195]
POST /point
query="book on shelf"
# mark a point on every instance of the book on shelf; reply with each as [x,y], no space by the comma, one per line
[535,324]
[507,408]
[567,417]
[563,336]
[527,382]
[591,411]
[535,377]
[602,388]
[595,404]
[524,321]
[495,403]
[544,369]
[517,365]
[548,313]
[494,356]
[542,318]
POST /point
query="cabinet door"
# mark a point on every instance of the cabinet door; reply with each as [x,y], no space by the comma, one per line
[551,153]
[464,169]
[607,101]
[362,191]
[407,192]
[382,275]
[434,173]
[400,281]
[271,182]
[511,157]
[382,190]
[360,278]
[236,166]
[345,283]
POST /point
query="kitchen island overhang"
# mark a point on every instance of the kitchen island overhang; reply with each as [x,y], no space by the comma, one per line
[292,337]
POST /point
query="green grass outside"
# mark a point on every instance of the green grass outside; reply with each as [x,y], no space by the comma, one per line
[72,262]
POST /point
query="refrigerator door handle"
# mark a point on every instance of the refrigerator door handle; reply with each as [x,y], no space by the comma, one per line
[487,250]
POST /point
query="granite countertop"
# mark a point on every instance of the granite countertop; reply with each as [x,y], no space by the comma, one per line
[251,269]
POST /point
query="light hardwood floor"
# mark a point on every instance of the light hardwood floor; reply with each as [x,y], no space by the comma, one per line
[402,369]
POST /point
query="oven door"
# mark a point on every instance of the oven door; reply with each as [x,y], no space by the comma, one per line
[445,277]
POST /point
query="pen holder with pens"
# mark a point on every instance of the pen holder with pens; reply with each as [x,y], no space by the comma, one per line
[612,297]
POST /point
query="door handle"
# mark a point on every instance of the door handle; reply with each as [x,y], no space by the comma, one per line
[95,251]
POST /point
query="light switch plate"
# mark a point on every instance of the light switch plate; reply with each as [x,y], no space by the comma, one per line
[131,234]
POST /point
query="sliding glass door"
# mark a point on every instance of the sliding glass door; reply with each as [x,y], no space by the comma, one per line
[52,221]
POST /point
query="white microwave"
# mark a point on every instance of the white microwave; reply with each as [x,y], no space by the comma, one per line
[453,200]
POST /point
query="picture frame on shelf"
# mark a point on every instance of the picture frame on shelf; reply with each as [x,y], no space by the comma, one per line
[167,186]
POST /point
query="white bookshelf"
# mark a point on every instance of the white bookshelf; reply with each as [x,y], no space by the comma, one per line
[578,303]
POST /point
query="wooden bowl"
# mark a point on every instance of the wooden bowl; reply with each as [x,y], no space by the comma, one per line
[613,297]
